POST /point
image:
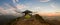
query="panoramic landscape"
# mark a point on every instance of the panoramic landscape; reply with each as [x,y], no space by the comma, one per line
[29,12]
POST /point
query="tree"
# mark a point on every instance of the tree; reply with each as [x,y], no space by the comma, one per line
[27,12]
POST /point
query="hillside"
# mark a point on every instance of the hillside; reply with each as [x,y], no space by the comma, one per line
[34,20]
[6,18]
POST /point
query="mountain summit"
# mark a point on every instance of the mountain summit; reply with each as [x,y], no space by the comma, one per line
[34,20]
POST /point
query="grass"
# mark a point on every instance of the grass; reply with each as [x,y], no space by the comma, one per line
[27,16]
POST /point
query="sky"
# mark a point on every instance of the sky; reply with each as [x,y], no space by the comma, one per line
[42,7]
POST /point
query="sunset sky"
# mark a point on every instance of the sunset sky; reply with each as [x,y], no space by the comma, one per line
[42,7]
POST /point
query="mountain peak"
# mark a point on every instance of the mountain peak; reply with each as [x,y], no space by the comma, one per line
[34,20]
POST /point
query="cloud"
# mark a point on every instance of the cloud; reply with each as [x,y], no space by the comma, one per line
[2,11]
[14,1]
[52,5]
[44,0]
[20,6]
[17,5]
[10,11]
[8,6]
[7,9]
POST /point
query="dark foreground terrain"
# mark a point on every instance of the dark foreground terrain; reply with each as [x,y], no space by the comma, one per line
[34,20]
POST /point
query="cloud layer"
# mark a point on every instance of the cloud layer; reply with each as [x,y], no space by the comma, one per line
[14,1]
[44,0]
[10,11]
[7,9]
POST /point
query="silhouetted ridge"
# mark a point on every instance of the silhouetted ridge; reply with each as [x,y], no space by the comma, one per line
[38,17]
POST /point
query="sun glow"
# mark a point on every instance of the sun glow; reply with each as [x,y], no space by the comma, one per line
[49,14]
